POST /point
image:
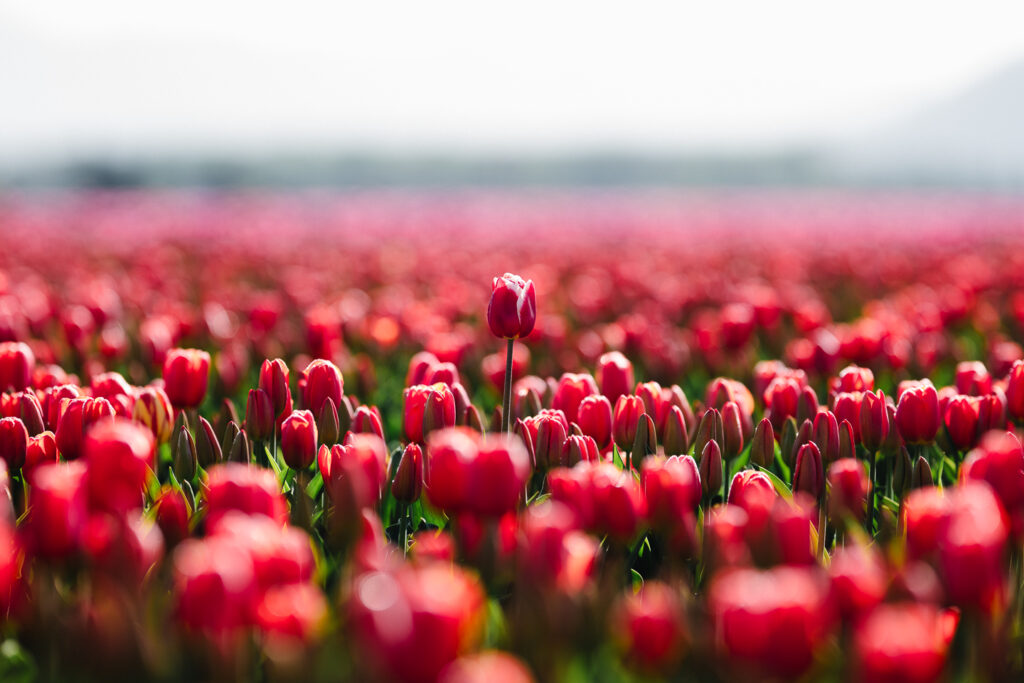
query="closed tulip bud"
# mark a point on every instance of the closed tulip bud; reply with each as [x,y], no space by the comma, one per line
[228,413]
[298,439]
[917,415]
[120,458]
[512,310]
[17,363]
[825,434]
[259,415]
[571,390]
[76,416]
[474,420]
[1015,392]
[321,380]
[153,409]
[902,473]
[808,473]
[654,404]
[172,515]
[711,469]
[186,375]
[804,435]
[645,442]
[367,421]
[274,381]
[551,434]
[595,419]
[527,403]
[710,428]
[578,448]
[848,490]
[239,451]
[922,476]
[673,489]
[992,411]
[27,408]
[615,375]
[57,510]
[676,440]
[41,449]
[328,428]
[874,420]
[762,448]
[893,441]
[628,410]
[650,627]
[439,410]
[496,425]
[185,457]
[208,449]
[807,406]
[847,449]
[788,441]
[461,398]
[13,442]
[675,396]
[732,430]
[408,483]
[230,432]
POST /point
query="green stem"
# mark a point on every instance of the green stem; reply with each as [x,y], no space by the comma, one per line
[871,500]
[506,408]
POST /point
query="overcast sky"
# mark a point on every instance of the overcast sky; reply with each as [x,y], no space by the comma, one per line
[468,75]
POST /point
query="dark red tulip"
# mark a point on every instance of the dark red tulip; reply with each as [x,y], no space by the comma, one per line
[356,472]
[655,405]
[13,442]
[1015,392]
[76,417]
[847,448]
[244,488]
[650,627]
[571,390]
[42,449]
[260,419]
[299,439]
[321,380]
[615,376]
[732,430]
[420,365]
[26,407]
[51,403]
[917,414]
[595,419]
[808,473]
[628,410]
[874,420]
[904,643]
[972,379]
[512,310]
[848,490]
[853,378]
[186,374]
[825,434]
[274,381]
[672,487]
[366,420]
[172,515]
[408,482]
[57,512]
[781,400]
[961,417]
[548,442]
[847,406]
[711,469]
[762,448]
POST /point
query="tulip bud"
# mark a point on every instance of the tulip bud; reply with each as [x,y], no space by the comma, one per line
[551,434]
[17,362]
[31,413]
[462,402]
[526,403]
[595,419]
[230,432]
[808,475]
[13,442]
[917,415]
[186,375]
[922,476]
[1015,392]
[646,441]
[497,425]
[184,459]
[298,439]
[807,406]
[711,469]
[474,420]
[874,420]
[41,449]
[274,381]
[319,381]
[628,410]
[732,430]
[239,451]
[367,421]
[439,411]
[825,434]
[803,436]
[345,415]
[710,428]
[579,448]
[328,428]
[676,438]
[962,417]
[902,473]
[512,310]
[408,483]
[762,448]
[676,397]
[208,450]
[847,449]
[259,415]
[788,441]
[153,409]
[893,441]
[848,490]
[614,375]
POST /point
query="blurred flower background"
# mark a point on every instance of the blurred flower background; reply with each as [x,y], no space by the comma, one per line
[552,342]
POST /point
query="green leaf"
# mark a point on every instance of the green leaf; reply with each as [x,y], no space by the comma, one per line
[617,458]
[779,485]
[16,665]
[316,484]
[638,580]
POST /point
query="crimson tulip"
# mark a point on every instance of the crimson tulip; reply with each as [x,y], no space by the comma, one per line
[186,374]
[298,439]
[512,310]
[917,414]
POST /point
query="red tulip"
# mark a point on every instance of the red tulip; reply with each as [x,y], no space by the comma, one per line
[214,586]
[298,439]
[903,643]
[412,623]
[972,379]
[26,407]
[13,442]
[552,552]
[781,399]
[925,512]
[619,505]
[732,430]
[650,627]
[408,482]
[17,363]
[874,420]
[917,414]
[1015,391]
[808,473]
[41,449]
[120,456]
[449,457]
[321,380]
[577,448]
[961,417]
[260,419]
[356,472]
[595,419]
[486,667]
[76,417]
[498,475]
[280,554]
[437,400]
[571,390]
[769,622]
[792,522]
[615,376]
[173,515]
[512,310]
[710,469]
[57,512]
[825,435]
[366,420]
[244,488]
[672,488]
[51,403]
[123,547]
[153,409]
[186,373]
[853,378]
[628,410]
[999,461]
[847,406]
[754,493]
[442,373]
[420,365]
[274,381]
[859,579]
[291,615]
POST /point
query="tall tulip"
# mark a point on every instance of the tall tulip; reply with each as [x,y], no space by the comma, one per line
[511,314]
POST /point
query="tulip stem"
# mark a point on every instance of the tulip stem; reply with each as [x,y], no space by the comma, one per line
[871,499]
[506,406]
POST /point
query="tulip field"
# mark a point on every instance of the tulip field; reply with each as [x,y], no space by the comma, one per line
[511,437]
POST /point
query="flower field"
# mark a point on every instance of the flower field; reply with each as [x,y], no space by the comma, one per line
[507,437]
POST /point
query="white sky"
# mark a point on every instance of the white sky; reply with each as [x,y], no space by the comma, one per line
[470,75]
